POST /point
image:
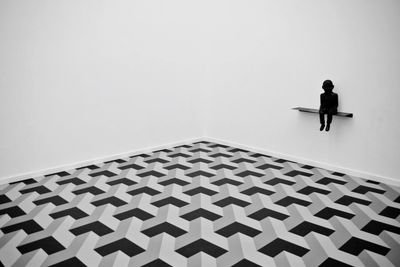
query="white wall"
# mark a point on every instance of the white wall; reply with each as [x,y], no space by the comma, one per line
[271,56]
[87,79]
[82,79]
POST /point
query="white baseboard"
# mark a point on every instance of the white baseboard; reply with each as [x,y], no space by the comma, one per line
[98,160]
[317,164]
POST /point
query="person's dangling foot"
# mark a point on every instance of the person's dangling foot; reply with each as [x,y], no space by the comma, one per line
[327,127]
[322,127]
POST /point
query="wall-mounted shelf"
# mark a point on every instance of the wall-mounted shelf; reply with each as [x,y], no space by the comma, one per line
[313,110]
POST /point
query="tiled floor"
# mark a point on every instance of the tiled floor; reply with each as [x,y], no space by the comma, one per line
[202,204]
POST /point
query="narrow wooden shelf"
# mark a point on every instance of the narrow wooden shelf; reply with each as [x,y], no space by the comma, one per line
[313,110]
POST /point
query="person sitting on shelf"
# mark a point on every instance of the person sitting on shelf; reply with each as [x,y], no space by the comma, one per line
[329,104]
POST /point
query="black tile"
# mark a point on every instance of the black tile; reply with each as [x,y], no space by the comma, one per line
[135,212]
[124,245]
[74,212]
[96,227]
[201,245]
[200,213]
[61,174]
[29,226]
[49,244]
[26,181]
[305,228]
[278,245]
[12,211]
[236,227]
[116,202]
[165,227]
[356,245]
[71,262]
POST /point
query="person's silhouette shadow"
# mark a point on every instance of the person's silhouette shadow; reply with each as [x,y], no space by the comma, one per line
[329,104]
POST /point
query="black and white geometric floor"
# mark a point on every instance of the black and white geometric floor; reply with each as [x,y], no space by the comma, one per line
[202,204]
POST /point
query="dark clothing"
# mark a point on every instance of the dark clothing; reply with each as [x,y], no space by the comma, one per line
[322,118]
[329,104]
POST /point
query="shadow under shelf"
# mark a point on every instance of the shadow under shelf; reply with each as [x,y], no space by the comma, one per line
[313,110]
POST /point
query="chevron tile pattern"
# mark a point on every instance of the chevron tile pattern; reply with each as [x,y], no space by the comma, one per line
[201,204]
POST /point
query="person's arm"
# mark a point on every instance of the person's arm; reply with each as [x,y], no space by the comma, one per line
[336,101]
[321,101]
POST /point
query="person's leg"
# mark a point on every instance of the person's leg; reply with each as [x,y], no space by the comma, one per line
[329,121]
[321,120]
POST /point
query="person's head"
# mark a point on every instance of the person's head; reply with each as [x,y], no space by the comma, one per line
[328,86]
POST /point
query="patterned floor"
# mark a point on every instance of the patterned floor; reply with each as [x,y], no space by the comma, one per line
[202,204]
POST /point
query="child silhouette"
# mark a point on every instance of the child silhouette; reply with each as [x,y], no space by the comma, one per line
[329,104]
